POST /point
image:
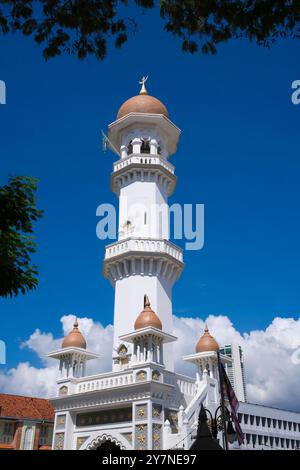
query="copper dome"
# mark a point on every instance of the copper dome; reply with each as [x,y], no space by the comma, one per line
[74,339]
[207,342]
[147,317]
[142,103]
[145,104]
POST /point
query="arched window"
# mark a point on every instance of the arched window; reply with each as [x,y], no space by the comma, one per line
[130,148]
[145,147]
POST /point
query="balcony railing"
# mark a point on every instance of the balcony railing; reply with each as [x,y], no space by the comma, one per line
[145,245]
[144,159]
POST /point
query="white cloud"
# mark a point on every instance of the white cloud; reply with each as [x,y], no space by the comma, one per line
[272,376]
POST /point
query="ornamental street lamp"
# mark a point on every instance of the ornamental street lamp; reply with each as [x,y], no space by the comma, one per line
[217,423]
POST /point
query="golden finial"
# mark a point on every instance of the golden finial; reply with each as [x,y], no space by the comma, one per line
[143,89]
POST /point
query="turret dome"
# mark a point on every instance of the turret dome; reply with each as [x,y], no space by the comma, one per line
[147,317]
[142,103]
[207,342]
[74,339]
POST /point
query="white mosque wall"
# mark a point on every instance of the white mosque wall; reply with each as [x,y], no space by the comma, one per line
[129,302]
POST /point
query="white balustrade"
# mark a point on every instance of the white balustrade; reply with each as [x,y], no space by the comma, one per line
[114,381]
[186,386]
[144,159]
[145,245]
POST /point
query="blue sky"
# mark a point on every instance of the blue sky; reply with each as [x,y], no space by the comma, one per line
[238,154]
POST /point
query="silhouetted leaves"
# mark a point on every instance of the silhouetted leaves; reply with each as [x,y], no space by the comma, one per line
[18,211]
[84,27]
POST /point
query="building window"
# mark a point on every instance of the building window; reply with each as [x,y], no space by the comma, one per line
[257,419]
[130,148]
[145,218]
[263,421]
[44,431]
[28,438]
[292,443]
[251,420]
[8,428]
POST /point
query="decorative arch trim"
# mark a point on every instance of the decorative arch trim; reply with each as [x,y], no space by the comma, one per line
[97,439]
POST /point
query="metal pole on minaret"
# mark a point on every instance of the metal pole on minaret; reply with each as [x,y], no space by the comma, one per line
[143,259]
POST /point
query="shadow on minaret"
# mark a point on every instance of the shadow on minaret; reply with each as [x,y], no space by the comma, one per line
[204,439]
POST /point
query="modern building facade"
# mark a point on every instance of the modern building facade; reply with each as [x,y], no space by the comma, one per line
[142,403]
[26,423]
[269,428]
[235,369]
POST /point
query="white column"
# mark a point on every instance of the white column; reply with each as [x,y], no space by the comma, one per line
[136,145]
[153,147]
[123,151]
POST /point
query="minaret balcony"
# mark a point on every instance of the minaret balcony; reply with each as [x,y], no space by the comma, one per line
[143,167]
[144,159]
[141,256]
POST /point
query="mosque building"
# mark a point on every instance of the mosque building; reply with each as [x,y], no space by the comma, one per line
[143,403]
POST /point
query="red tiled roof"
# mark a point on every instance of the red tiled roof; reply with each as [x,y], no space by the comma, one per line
[45,448]
[16,406]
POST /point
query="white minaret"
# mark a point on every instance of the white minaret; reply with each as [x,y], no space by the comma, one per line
[143,260]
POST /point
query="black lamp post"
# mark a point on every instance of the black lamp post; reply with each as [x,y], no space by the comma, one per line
[204,439]
[218,424]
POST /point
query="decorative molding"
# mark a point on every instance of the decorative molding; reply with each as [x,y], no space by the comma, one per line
[141,412]
[156,411]
[62,391]
[141,375]
[157,436]
[61,421]
[80,441]
[141,437]
[103,438]
[59,441]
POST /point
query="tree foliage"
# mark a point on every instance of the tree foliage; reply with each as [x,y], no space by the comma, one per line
[18,212]
[84,27]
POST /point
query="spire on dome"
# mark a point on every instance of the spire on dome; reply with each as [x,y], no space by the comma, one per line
[142,82]
[75,338]
[207,342]
[142,103]
[147,318]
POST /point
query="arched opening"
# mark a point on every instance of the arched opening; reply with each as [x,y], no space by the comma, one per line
[130,148]
[145,147]
[108,446]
